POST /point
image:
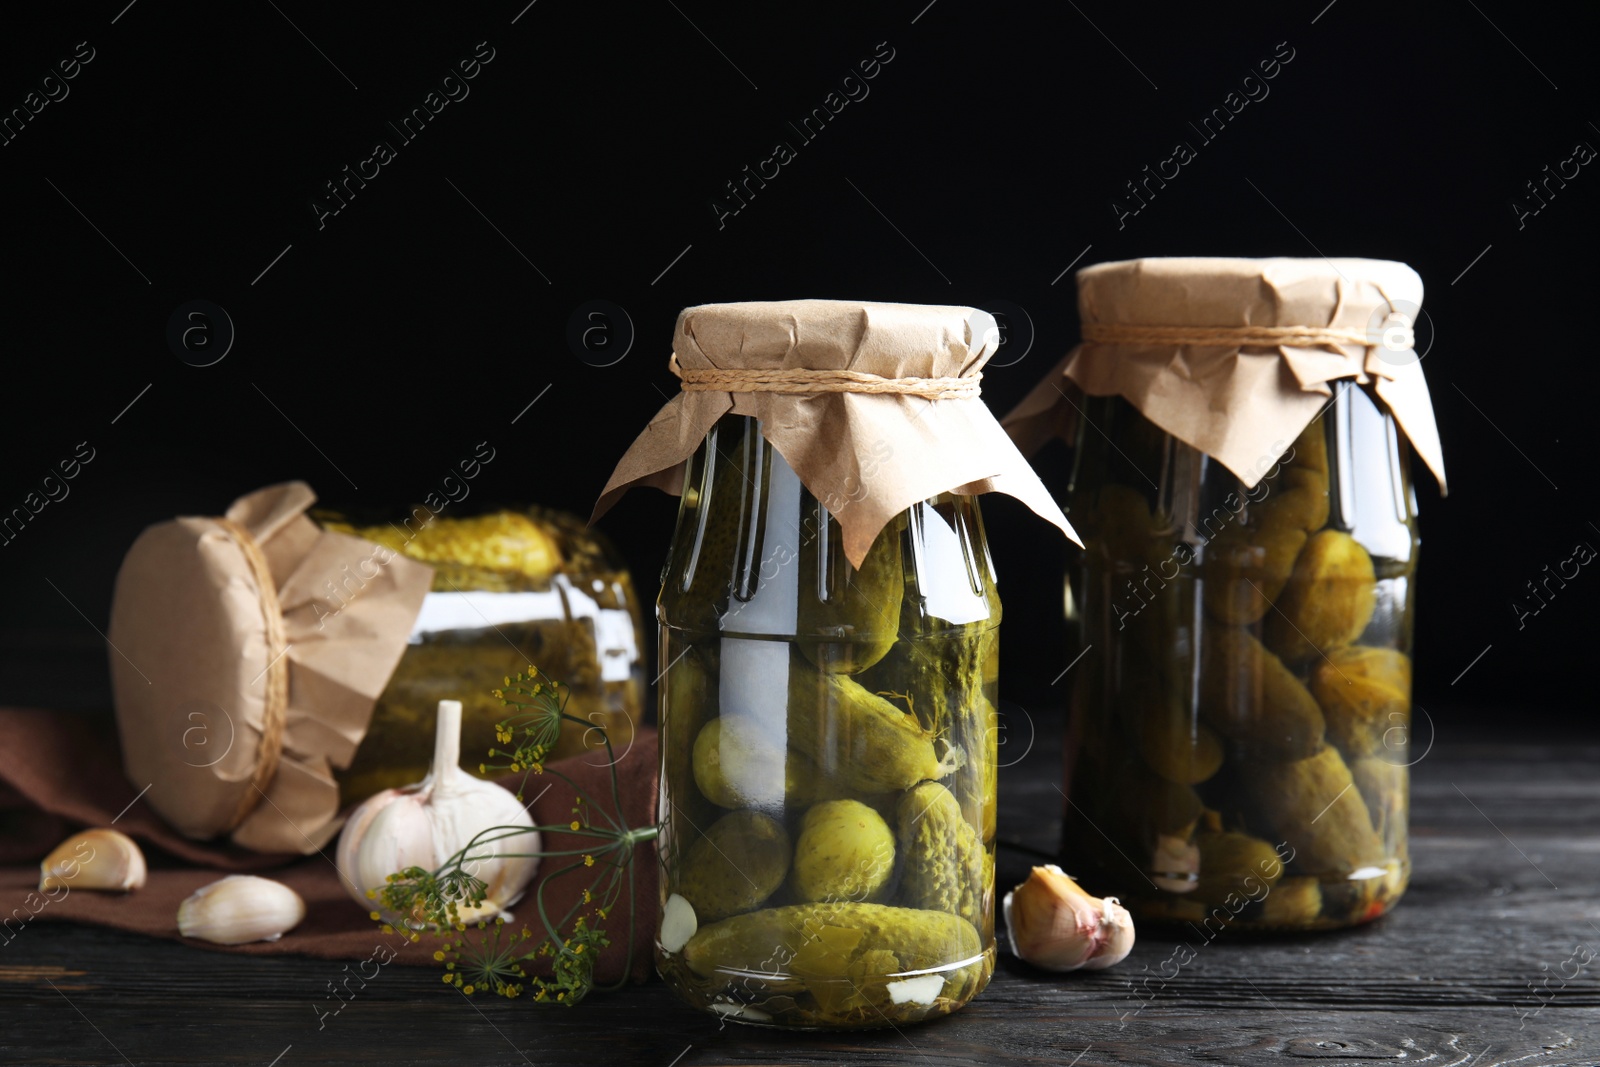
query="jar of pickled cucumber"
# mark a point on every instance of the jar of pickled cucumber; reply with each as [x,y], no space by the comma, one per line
[511,588]
[1241,724]
[828,677]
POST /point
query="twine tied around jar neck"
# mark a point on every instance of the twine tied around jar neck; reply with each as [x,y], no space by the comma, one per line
[1395,332]
[803,382]
[275,705]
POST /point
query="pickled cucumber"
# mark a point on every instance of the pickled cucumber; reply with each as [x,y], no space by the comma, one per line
[742,859]
[1172,743]
[691,693]
[738,765]
[1293,902]
[849,617]
[943,858]
[943,681]
[1235,865]
[846,956]
[845,852]
[1365,694]
[1248,695]
[1246,566]
[1304,484]
[860,741]
[943,678]
[1249,562]
[1328,600]
[1313,805]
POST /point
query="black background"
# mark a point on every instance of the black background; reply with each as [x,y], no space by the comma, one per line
[425,315]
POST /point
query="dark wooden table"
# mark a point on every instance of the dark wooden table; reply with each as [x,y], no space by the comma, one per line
[1484,963]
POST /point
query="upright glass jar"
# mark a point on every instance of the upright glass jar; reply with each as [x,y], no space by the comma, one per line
[1240,735]
[829,751]
[1242,723]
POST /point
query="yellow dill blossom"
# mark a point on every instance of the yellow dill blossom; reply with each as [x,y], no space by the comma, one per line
[588,861]
[439,955]
[574,824]
[374,916]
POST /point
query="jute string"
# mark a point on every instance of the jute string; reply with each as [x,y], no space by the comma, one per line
[276,704]
[801,382]
[1395,334]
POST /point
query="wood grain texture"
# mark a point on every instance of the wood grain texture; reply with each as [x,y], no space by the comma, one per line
[1506,846]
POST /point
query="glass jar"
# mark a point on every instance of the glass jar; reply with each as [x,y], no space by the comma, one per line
[829,752]
[1239,743]
[511,589]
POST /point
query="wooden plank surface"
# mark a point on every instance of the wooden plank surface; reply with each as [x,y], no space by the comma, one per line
[1506,846]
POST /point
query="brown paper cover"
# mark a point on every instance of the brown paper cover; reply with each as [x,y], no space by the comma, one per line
[866,457]
[190,656]
[1228,401]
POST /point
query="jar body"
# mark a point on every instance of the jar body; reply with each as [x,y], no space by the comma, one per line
[511,589]
[828,752]
[1240,739]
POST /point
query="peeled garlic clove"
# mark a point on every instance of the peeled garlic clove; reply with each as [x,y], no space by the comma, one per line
[94,859]
[1177,863]
[678,924]
[1055,925]
[240,908]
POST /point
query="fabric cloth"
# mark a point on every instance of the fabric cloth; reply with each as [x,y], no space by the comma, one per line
[60,773]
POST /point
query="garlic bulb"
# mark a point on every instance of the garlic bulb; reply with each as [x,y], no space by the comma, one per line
[94,859]
[240,908]
[424,825]
[1055,925]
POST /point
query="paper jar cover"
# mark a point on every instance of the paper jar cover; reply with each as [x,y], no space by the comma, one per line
[194,655]
[1233,402]
[866,456]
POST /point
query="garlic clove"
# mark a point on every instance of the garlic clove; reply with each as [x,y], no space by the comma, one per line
[1054,924]
[94,859]
[1177,863]
[678,924]
[240,908]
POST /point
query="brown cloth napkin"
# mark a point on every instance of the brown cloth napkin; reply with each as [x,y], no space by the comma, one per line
[61,772]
